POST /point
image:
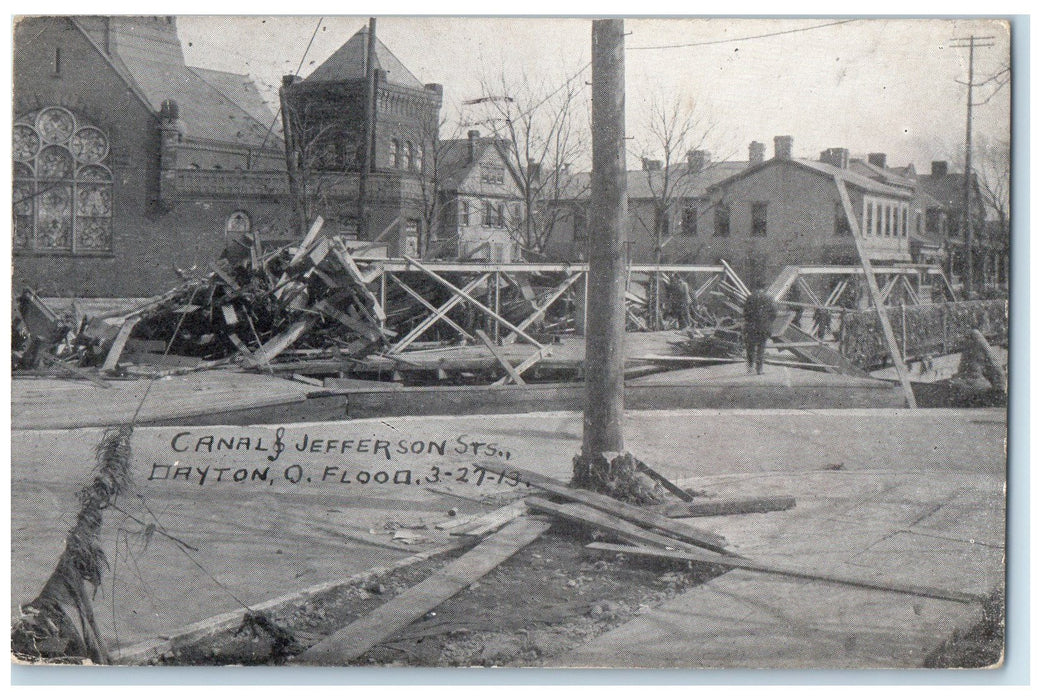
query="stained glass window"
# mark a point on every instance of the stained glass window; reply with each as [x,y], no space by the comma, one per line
[62,190]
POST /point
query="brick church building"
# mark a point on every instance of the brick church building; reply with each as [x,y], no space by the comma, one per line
[130,164]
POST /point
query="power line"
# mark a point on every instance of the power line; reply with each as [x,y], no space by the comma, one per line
[302,59]
[741,38]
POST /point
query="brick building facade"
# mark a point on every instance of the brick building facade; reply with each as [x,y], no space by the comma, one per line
[130,164]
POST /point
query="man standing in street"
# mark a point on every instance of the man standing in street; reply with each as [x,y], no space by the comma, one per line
[760,312]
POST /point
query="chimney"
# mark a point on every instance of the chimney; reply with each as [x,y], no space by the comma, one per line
[782,147]
[651,165]
[939,168]
[756,152]
[534,170]
[837,157]
[697,160]
[472,135]
[877,159]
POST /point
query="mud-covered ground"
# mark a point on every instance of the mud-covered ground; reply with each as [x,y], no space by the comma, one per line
[548,598]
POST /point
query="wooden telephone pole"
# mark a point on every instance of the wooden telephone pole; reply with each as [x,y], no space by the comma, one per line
[605,338]
[971,43]
[370,130]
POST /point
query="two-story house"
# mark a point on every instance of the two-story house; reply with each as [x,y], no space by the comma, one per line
[481,200]
[788,211]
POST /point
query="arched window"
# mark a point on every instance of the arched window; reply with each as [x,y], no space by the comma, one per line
[62,188]
[238,224]
[395,153]
[410,156]
[418,162]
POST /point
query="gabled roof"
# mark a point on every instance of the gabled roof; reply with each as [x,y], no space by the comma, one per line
[242,91]
[847,175]
[455,165]
[214,105]
[348,63]
[889,176]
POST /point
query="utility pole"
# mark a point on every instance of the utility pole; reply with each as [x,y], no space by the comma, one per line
[605,340]
[370,130]
[971,43]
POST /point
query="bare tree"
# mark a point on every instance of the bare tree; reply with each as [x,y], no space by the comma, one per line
[545,129]
[993,173]
[322,147]
[674,133]
[436,136]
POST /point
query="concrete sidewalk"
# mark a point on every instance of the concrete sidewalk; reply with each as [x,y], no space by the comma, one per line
[891,521]
[918,499]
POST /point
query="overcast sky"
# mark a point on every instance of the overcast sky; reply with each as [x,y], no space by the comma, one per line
[868,85]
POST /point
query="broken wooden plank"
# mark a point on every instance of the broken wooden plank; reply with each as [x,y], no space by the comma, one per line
[118,343]
[248,358]
[224,276]
[370,332]
[73,370]
[490,522]
[510,371]
[305,244]
[748,565]
[524,366]
[363,634]
[230,317]
[665,483]
[635,514]
[728,506]
[585,515]
[274,347]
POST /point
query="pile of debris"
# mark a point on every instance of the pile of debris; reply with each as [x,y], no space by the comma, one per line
[251,307]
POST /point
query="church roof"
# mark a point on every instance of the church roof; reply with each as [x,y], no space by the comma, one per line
[348,63]
[214,105]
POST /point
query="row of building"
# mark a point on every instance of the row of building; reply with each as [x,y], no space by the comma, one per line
[131,167]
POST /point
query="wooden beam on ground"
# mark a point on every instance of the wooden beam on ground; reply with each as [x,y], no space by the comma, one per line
[584,515]
[249,359]
[747,565]
[456,290]
[635,514]
[115,351]
[665,483]
[510,371]
[490,522]
[876,296]
[363,634]
[728,506]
